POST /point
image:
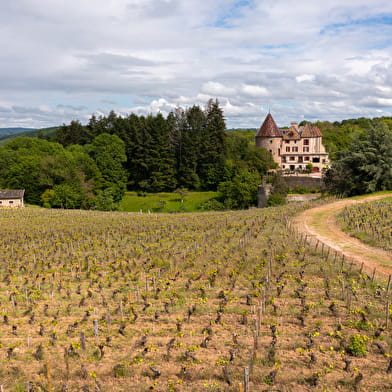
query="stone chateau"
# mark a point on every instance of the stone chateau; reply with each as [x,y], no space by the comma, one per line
[294,148]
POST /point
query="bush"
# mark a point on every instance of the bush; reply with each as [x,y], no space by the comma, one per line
[211,205]
[275,200]
[357,345]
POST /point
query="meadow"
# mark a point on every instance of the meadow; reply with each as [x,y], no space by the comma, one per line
[217,301]
[165,201]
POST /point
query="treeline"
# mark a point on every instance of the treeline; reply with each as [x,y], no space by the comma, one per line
[338,135]
[91,166]
[365,166]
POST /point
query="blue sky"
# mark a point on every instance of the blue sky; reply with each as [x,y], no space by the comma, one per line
[65,60]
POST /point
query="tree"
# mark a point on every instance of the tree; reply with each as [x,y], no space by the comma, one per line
[50,174]
[74,133]
[108,152]
[241,192]
[211,161]
[365,167]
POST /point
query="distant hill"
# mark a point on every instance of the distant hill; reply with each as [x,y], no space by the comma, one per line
[45,133]
[12,131]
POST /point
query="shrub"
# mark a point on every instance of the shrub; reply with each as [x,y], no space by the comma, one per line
[357,345]
[211,205]
[275,200]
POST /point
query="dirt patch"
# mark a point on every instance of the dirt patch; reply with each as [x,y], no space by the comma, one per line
[321,223]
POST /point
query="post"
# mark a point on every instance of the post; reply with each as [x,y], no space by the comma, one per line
[48,377]
[96,328]
[374,272]
[388,285]
[82,341]
[246,379]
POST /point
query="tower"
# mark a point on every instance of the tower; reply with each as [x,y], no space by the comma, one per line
[269,136]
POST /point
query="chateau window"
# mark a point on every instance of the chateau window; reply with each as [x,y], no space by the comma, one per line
[287,141]
[287,149]
[306,149]
[1,202]
[306,142]
[306,158]
[11,202]
[271,141]
[295,149]
[292,158]
[284,166]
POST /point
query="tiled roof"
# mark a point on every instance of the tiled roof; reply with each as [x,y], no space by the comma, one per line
[12,194]
[291,134]
[310,131]
[269,128]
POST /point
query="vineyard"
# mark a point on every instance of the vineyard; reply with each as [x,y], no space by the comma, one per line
[370,222]
[222,301]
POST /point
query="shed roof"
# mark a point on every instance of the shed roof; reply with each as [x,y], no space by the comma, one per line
[12,194]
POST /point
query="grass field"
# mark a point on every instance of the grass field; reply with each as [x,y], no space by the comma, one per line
[165,202]
[112,301]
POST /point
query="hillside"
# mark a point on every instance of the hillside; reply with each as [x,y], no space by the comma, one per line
[25,132]
[12,131]
[120,301]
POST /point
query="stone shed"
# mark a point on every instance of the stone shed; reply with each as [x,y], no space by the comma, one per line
[11,198]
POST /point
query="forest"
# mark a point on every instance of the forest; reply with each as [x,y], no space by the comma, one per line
[91,166]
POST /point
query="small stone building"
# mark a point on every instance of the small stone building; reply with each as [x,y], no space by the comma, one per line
[11,198]
[293,148]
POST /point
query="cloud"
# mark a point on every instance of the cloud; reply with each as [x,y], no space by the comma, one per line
[305,78]
[217,89]
[254,91]
[62,60]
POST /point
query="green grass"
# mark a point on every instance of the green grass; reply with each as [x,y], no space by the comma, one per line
[165,202]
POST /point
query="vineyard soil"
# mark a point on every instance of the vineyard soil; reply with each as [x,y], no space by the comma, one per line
[115,302]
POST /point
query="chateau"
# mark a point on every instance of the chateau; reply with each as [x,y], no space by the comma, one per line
[294,148]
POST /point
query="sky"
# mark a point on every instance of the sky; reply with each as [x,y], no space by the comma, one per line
[63,60]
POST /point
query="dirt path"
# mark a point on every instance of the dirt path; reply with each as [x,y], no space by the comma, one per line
[320,223]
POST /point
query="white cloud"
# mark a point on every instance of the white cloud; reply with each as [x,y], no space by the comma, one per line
[305,78]
[217,89]
[62,59]
[254,91]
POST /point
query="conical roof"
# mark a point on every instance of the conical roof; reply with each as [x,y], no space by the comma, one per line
[269,128]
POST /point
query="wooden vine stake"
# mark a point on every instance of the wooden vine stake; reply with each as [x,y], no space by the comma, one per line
[374,273]
[246,379]
[388,286]
[49,377]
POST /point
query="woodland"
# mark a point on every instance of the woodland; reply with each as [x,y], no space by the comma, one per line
[91,166]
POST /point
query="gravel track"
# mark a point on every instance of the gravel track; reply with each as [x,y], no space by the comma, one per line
[320,223]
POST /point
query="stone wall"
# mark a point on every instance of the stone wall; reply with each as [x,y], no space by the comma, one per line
[308,181]
[291,181]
